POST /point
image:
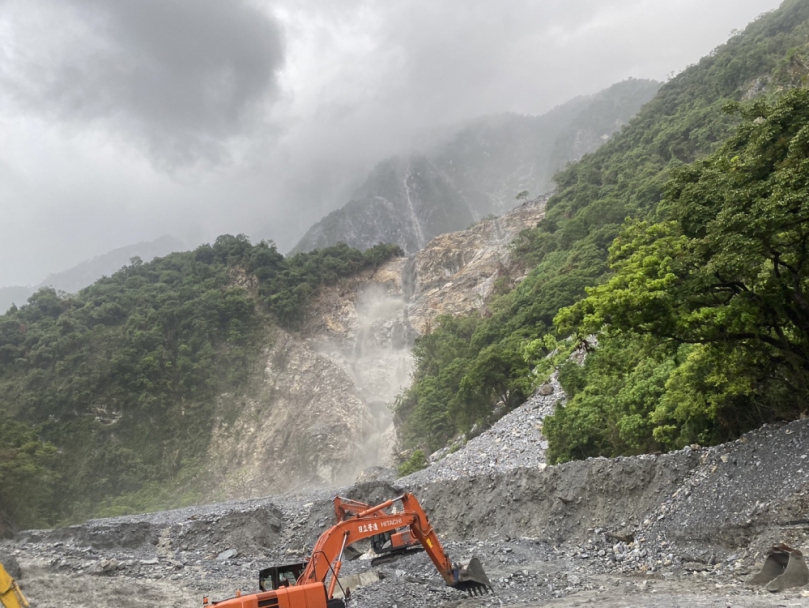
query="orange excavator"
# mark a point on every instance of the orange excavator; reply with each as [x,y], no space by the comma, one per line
[312,584]
[389,545]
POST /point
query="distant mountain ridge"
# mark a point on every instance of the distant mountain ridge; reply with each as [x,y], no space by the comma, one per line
[406,201]
[475,172]
[89,271]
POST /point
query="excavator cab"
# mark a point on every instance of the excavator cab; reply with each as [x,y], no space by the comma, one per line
[393,541]
[270,579]
[391,545]
[388,545]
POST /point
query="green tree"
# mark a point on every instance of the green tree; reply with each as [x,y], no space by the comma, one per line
[568,251]
[724,280]
[123,377]
[416,462]
[27,478]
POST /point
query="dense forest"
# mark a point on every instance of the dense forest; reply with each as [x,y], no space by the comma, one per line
[107,395]
[676,255]
[679,245]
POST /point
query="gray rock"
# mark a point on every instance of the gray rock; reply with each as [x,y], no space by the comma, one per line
[10,564]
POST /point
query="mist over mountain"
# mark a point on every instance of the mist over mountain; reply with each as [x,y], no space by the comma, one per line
[405,200]
[125,121]
[477,171]
[87,272]
[232,370]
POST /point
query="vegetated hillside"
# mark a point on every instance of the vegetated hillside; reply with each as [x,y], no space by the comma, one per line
[108,395]
[87,272]
[654,386]
[476,172]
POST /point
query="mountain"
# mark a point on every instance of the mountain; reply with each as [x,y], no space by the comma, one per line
[475,172]
[321,410]
[193,375]
[85,273]
[406,201]
[113,396]
[233,371]
[648,387]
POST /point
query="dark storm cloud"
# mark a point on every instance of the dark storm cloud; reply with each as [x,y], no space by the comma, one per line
[181,77]
[88,86]
[372,78]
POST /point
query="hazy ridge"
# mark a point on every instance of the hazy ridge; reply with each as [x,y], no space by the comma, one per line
[476,172]
[87,272]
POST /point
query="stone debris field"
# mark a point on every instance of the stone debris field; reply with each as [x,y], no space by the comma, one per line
[681,529]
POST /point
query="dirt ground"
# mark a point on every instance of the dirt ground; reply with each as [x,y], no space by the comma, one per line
[47,589]
[683,529]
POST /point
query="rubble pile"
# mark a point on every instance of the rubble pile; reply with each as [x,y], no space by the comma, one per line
[513,442]
[686,528]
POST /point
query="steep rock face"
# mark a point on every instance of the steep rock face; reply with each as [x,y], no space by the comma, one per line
[364,329]
[457,273]
[476,171]
[405,201]
[321,411]
[304,425]
[383,311]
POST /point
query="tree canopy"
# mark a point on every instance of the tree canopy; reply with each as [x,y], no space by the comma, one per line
[458,381]
[122,378]
[714,296]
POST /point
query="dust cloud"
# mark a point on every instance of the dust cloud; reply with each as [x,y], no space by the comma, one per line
[376,353]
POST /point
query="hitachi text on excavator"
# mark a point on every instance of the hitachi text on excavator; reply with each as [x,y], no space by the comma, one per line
[388,545]
[312,584]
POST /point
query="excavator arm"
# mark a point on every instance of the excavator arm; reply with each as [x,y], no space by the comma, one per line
[311,589]
[327,553]
[345,508]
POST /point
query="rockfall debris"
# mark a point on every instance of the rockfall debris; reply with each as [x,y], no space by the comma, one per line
[685,528]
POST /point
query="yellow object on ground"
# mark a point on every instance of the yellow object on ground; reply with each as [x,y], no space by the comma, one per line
[10,594]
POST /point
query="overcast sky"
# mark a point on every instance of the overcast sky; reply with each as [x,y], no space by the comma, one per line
[122,120]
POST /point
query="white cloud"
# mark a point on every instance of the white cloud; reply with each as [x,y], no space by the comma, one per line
[125,120]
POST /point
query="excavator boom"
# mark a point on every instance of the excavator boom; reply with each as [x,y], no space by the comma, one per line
[374,520]
[310,590]
[10,594]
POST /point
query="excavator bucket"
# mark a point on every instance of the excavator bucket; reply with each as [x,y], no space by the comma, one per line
[774,566]
[784,568]
[472,578]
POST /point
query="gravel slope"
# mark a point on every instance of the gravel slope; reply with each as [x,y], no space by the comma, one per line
[681,529]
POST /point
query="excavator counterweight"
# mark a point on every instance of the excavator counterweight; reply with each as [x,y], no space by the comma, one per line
[315,586]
